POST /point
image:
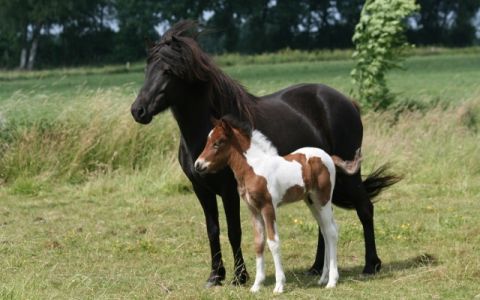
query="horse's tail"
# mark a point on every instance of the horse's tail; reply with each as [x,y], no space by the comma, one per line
[379,180]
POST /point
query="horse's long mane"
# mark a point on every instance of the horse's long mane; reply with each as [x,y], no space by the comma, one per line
[259,142]
[179,49]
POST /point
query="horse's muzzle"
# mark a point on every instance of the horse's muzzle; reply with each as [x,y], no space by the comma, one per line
[140,114]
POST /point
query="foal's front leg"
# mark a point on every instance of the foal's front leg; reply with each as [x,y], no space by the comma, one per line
[259,234]
[268,214]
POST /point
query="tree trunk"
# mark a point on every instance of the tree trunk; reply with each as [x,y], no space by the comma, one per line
[33,54]
[33,47]
[24,51]
[23,59]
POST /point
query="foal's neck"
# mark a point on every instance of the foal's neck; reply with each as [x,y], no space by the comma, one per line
[259,150]
[239,165]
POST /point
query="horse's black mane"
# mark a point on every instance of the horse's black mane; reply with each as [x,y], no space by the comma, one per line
[178,48]
[243,126]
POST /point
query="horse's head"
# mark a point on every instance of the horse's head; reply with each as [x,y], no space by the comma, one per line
[227,135]
[175,65]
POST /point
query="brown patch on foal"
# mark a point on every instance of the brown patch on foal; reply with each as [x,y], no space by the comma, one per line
[306,170]
[322,183]
[293,193]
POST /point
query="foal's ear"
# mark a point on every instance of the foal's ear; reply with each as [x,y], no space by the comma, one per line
[227,128]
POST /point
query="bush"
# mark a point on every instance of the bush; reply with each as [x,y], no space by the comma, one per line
[379,40]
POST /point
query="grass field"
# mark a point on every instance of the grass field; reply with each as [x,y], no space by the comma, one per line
[93,205]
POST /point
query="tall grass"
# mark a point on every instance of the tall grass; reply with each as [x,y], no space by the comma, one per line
[105,227]
[97,136]
[86,139]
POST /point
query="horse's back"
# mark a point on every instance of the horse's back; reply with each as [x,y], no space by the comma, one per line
[335,116]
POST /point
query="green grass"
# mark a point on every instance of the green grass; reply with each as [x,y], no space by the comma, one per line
[93,205]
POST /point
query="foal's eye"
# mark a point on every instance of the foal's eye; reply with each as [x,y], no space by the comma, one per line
[217,145]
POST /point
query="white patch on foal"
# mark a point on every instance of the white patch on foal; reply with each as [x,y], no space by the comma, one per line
[279,173]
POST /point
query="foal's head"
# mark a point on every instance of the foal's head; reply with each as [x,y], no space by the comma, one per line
[227,135]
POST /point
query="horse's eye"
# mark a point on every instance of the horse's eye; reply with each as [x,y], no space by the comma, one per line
[167,72]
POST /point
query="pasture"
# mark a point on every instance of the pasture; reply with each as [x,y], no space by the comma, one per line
[93,205]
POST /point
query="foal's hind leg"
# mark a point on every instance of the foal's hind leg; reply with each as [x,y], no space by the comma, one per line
[324,217]
[273,241]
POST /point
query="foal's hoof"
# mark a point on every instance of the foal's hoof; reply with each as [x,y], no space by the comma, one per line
[241,279]
[372,268]
[278,289]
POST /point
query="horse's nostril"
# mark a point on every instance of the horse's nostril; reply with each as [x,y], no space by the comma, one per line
[141,112]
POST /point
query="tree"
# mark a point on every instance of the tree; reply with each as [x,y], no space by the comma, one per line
[136,21]
[445,22]
[379,40]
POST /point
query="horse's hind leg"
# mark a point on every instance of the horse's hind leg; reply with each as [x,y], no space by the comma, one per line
[364,207]
[317,266]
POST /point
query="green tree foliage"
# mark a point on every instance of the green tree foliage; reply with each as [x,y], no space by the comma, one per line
[69,32]
[136,20]
[445,22]
[379,39]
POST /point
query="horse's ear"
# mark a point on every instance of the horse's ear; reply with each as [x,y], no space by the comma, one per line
[214,120]
[148,44]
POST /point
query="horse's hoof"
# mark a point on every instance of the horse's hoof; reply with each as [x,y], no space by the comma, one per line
[213,281]
[241,279]
[373,268]
[314,271]
[216,277]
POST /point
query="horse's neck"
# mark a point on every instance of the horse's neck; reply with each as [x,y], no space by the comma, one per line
[194,115]
[193,119]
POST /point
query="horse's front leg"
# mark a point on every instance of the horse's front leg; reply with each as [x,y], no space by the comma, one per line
[231,204]
[209,204]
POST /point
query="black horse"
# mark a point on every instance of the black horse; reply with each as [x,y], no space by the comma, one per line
[180,76]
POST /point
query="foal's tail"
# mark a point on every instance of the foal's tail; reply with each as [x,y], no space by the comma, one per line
[349,167]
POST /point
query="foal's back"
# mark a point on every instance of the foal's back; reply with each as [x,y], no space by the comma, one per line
[291,177]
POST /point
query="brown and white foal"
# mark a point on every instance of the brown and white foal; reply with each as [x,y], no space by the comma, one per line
[267,180]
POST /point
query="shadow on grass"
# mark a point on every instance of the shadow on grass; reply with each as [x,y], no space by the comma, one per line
[298,278]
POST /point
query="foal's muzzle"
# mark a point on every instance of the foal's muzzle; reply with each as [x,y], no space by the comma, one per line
[201,166]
